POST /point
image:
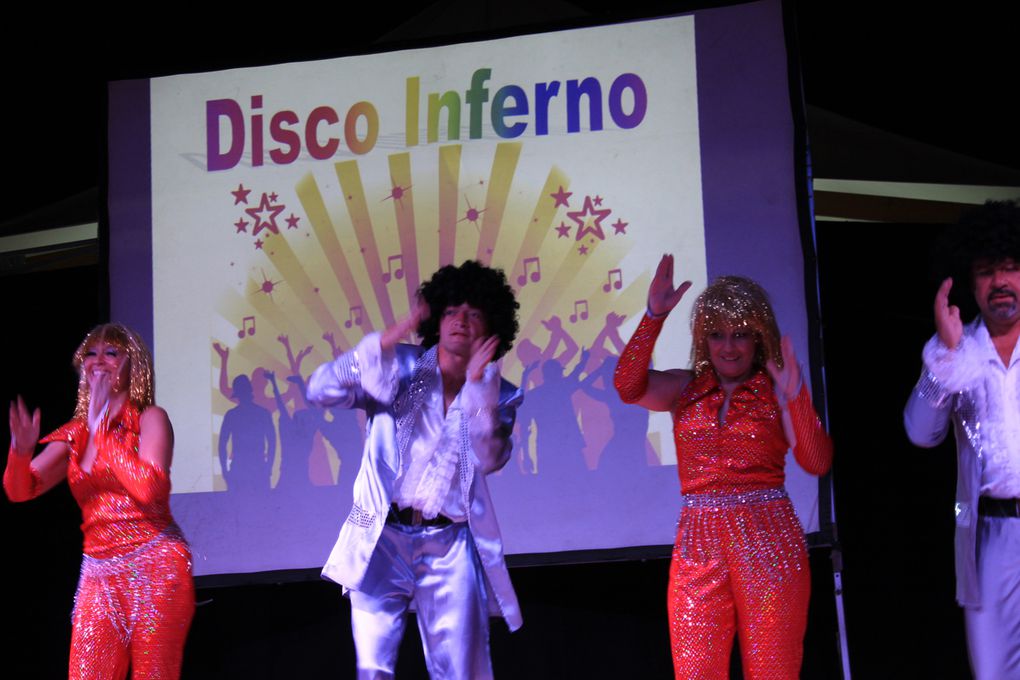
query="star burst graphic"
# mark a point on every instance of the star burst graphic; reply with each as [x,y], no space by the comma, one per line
[268,286]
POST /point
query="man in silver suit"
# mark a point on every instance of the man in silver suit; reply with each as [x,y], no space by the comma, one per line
[971,377]
[422,533]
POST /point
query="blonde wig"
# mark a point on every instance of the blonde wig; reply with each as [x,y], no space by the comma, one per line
[734,302]
[140,387]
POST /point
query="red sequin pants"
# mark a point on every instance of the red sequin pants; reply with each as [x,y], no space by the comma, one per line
[739,564]
[134,609]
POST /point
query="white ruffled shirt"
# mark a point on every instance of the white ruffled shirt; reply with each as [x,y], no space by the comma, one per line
[435,435]
[993,389]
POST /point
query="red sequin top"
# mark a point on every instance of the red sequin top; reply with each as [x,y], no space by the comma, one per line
[745,453]
[125,501]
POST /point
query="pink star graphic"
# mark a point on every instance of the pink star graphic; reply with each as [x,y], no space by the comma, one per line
[563,230]
[561,197]
[619,226]
[598,200]
[240,194]
[258,244]
[292,221]
[258,214]
[583,250]
[589,220]
[242,225]
[273,197]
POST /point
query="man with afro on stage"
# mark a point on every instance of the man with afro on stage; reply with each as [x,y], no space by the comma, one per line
[422,533]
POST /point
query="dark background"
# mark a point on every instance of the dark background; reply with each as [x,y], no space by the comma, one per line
[946,78]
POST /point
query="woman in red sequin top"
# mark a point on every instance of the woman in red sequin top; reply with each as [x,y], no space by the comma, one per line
[740,562]
[135,597]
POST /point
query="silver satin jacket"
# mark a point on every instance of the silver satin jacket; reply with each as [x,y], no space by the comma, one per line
[390,394]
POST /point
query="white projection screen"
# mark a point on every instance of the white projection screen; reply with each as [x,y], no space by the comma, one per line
[263,219]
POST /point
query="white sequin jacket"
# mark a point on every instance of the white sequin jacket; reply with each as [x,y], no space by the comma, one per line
[971,387]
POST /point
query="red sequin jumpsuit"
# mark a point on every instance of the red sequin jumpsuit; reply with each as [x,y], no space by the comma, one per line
[740,562]
[135,596]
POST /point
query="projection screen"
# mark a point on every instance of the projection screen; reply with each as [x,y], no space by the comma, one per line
[264,219]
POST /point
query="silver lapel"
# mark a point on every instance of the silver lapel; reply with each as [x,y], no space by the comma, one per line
[409,402]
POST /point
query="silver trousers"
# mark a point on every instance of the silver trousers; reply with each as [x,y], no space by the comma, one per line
[435,571]
[993,629]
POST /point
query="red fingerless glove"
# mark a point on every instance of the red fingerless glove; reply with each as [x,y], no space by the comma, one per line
[631,376]
[143,481]
[813,449]
[20,481]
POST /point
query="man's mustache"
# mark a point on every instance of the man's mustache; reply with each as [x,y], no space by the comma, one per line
[995,292]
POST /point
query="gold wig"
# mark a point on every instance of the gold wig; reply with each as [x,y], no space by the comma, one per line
[734,302]
[140,387]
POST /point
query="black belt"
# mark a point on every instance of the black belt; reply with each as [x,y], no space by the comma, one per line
[409,517]
[998,507]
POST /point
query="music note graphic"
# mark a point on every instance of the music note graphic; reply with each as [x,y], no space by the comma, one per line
[391,273]
[610,283]
[247,326]
[354,317]
[536,275]
[583,304]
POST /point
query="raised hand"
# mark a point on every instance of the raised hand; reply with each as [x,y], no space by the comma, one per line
[409,324]
[100,390]
[786,379]
[553,324]
[662,296]
[331,339]
[223,351]
[24,428]
[947,317]
[483,350]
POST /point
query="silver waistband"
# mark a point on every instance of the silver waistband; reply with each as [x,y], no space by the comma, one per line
[96,567]
[732,500]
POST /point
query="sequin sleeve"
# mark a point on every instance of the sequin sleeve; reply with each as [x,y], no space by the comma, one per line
[20,481]
[631,376]
[927,415]
[365,370]
[813,449]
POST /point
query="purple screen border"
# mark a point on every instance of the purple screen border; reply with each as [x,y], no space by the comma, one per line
[130,206]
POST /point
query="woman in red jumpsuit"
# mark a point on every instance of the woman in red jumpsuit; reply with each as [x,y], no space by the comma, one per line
[740,562]
[135,597]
